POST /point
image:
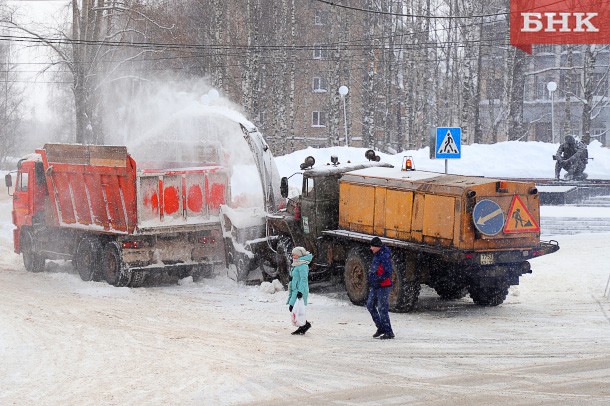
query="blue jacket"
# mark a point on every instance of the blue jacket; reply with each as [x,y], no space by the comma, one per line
[299,281]
[380,274]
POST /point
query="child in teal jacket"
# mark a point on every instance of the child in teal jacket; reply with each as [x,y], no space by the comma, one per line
[299,282]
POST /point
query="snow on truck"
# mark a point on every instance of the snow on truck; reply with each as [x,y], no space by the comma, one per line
[457,234]
[118,220]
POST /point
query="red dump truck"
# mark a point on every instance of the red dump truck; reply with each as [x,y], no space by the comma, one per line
[116,221]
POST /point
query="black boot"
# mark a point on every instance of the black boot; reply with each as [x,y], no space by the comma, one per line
[302,330]
[306,327]
[378,333]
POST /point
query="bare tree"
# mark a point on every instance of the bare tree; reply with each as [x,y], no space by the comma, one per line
[88,50]
[515,99]
[10,102]
[595,83]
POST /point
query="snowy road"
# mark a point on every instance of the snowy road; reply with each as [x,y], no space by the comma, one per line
[64,341]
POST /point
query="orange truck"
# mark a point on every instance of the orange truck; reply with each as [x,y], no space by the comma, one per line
[118,221]
[457,234]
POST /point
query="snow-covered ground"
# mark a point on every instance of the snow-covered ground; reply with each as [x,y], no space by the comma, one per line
[65,341]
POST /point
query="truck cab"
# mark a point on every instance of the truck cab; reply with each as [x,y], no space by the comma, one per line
[319,206]
[310,215]
[29,193]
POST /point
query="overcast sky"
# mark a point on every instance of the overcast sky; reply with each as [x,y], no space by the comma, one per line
[27,61]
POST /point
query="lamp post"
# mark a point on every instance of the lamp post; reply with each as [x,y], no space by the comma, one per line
[343,90]
[551,87]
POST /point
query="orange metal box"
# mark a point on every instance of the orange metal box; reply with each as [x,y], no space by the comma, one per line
[437,209]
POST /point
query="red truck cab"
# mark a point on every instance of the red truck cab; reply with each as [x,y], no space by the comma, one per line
[28,195]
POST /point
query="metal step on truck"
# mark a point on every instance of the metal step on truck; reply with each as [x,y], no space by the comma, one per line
[116,220]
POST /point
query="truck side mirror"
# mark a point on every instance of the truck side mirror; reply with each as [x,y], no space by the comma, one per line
[284,187]
[8,179]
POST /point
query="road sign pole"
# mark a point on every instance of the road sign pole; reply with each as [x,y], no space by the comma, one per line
[446,166]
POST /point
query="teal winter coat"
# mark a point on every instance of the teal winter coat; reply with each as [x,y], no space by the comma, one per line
[299,282]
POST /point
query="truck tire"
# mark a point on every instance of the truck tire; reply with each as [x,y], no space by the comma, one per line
[202,271]
[406,283]
[447,285]
[137,279]
[112,266]
[87,259]
[283,259]
[32,261]
[488,295]
[245,265]
[355,275]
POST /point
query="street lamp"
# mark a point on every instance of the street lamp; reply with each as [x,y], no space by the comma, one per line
[343,90]
[551,87]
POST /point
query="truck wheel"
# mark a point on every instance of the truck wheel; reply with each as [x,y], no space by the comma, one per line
[355,275]
[137,279]
[284,259]
[244,265]
[87,259]
[406,284]
[491,295]
[32,261]
[448,286]
[112,266]
[202,271]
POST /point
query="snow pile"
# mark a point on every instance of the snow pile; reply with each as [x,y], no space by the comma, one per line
[186,281]
[271,287]
[515,159]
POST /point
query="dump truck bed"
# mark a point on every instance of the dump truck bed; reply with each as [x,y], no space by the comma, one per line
[100,188]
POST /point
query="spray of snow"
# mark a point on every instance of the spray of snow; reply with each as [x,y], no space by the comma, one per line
[174,121]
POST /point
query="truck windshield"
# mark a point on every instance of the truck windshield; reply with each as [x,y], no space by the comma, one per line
[322,188]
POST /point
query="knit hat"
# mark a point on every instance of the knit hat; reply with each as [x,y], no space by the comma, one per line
[299,251]
[376,242]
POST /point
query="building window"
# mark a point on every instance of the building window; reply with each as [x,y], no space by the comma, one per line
[319,84]
[545,49]
[600,134]
[599,81]
[319,52]
[541,92]
[262,116]
[543,132]
[570,84]
[596,132]
[318,119]
[321,18]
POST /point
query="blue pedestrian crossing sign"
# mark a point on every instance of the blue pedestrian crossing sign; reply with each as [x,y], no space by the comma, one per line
[448,143]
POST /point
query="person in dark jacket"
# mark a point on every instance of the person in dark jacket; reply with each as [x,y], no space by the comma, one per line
[380,285]
[572,156]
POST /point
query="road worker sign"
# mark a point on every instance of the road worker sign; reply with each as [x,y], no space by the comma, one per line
[448,143]
[519,219]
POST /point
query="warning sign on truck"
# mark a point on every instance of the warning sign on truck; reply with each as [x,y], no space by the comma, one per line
[519,219]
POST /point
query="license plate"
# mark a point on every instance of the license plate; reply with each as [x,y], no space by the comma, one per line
[487,259]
